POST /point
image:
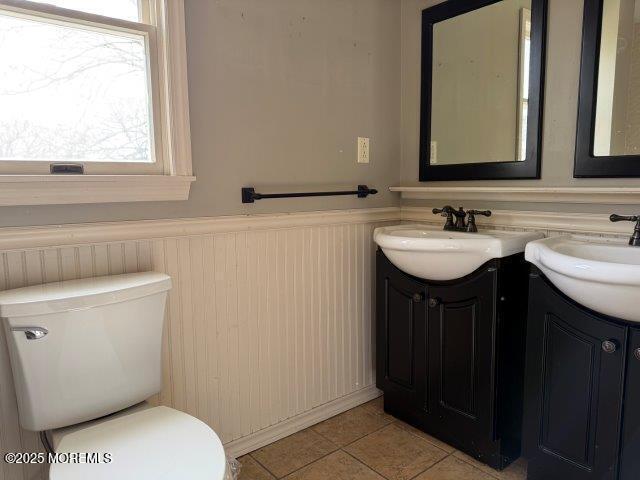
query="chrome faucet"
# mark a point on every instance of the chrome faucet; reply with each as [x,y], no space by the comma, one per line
[460,225]
[635,238]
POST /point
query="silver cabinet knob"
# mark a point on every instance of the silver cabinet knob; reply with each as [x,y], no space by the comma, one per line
[434,302]
[636,353]
[609,346]
[418,297]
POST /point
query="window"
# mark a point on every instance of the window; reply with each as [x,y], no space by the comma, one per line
[86,82]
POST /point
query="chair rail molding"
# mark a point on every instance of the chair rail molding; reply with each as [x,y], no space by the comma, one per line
[12,238]
[579,195]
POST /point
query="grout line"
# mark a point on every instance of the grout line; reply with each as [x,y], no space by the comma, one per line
[362,463]
[430,467]
[396,420]
[259,463]
[357,439]
[308,464]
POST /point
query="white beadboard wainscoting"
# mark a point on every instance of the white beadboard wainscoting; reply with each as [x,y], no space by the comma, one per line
[269,323]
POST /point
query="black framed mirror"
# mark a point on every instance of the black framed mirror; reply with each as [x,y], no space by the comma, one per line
[481,89]
[608,133]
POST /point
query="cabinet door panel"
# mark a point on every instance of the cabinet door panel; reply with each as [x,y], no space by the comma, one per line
[458,328]
[568,365]
[401,336]
[400,325]
[630,462]
[573,389]
[462,367]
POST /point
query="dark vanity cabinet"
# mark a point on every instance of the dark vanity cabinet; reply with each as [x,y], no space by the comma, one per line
[582,391]
[630,443]
[450,355]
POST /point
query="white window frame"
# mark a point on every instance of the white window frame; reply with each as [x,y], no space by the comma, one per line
[170,176]
[523,95]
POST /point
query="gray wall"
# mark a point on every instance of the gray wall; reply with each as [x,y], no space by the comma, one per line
[560,107]
[279,90]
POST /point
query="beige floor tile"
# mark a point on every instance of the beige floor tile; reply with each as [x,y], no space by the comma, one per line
[432,440]
[252,470]
[452,468]
[293,452]
[376,404]
[396,453]
[516,471]
[352,425]
[463,456]
[337,466]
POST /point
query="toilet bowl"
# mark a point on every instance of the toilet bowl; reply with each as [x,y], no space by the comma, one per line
[85,356]
[142,443]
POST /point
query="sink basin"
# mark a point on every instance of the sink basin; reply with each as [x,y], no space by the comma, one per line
[604,277]
[430,253]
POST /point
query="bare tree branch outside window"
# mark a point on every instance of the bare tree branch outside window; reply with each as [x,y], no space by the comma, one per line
[69,93]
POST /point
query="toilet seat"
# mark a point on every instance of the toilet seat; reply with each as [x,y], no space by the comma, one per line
[145,442]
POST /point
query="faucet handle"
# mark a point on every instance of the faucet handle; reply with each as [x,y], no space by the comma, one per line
[439,211]
[444,211]
[471,224]
[485,213]
[624,218]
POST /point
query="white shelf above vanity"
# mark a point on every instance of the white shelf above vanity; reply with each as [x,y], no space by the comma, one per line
[580,195]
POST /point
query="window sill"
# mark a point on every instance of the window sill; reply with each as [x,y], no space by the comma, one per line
[76,189]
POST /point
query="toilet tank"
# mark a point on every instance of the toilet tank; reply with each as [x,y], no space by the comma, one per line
[83,349]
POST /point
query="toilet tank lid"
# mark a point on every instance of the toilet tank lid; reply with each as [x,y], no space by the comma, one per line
[80,294]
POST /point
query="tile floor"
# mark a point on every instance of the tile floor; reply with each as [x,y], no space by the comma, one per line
[367,444]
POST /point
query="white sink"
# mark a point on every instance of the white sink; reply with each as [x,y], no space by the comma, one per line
[430,253]
[604,277]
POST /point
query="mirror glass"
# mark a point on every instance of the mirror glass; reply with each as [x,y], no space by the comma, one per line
[617,122]
[480,85]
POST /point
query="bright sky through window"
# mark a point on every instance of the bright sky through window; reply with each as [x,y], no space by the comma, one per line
[123,9]
[70,93]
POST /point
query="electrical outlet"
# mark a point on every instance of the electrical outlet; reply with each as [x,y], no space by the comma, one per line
[363,150]
[434,153]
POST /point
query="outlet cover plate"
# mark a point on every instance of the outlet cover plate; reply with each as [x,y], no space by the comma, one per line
[363,150]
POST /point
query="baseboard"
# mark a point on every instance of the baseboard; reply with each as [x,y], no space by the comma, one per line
[292,425]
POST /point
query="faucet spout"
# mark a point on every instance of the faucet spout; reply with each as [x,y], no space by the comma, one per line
[449,212]
[635,237]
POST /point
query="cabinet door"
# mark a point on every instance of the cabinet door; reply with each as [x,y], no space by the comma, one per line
[462,361]
[630,462]
[401,337]
[573,389]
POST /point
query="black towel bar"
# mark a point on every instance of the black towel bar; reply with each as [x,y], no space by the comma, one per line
[249,194]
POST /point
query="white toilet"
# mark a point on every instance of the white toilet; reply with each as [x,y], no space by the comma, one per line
[85,356]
